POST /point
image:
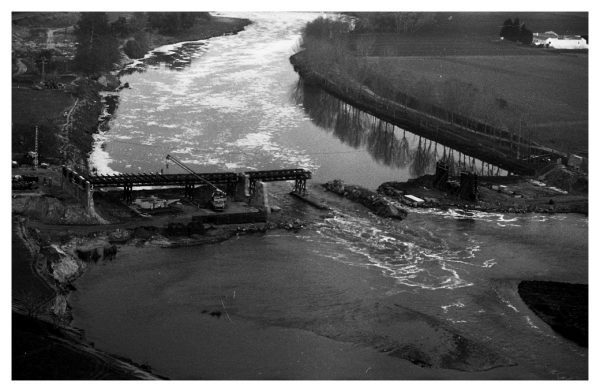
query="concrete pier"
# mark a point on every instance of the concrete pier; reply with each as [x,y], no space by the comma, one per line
[260,197]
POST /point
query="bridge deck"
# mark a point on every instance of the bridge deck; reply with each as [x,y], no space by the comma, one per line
[148,179]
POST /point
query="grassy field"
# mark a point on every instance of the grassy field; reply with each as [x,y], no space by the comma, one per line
[544,88]
[549,91]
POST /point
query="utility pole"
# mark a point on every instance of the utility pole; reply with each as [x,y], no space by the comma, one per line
[35,158]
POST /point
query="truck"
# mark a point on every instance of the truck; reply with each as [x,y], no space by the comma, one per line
[218,200]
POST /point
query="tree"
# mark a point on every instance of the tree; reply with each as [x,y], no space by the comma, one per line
[97,48]
[525,36]
[120,27]
[510,29]
[411,22]
[172,22]
[515,31]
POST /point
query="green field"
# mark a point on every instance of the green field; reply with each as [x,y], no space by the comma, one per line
[550,92]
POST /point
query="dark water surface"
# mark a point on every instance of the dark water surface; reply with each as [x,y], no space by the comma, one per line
[351,296]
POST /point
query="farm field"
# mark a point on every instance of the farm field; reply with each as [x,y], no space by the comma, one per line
[515,84]
[550,92]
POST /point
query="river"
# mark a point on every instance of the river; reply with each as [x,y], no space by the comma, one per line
[351,296]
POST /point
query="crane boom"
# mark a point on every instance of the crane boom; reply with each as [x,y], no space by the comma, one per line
[185,167]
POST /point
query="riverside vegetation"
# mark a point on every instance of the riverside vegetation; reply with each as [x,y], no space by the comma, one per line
[455,67]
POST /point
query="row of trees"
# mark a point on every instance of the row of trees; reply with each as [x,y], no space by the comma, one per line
[514,30]
[394,22]
[330,51]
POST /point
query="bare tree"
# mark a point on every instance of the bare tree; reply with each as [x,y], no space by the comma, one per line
[411,22]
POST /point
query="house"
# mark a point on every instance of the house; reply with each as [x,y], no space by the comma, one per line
[550,39]
[540,39]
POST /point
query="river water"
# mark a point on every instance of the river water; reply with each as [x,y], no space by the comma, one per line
[351,296]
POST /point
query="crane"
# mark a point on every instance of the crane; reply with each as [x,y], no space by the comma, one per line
[218,199]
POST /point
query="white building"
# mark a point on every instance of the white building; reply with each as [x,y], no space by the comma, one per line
[540,39]
[550,39]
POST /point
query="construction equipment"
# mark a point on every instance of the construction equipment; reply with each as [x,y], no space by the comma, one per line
[218,199]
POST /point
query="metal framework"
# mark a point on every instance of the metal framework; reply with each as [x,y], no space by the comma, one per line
[226,180]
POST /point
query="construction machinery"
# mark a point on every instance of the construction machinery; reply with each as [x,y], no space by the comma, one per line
[218,200]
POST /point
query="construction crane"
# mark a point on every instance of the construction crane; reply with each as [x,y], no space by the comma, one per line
[218,199]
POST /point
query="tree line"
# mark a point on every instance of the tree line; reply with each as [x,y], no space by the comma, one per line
[331,52]
[514,30]
[98,40]
[393,22]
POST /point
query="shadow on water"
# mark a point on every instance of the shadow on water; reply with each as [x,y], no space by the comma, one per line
[175,58]
[387,144]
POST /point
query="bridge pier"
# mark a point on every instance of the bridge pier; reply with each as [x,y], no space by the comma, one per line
[188,190]
[300,186]
[251,187]
[128,193]
[242,187]
[260,197]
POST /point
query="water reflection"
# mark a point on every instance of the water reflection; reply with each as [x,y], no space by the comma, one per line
[174,57]
[386,143]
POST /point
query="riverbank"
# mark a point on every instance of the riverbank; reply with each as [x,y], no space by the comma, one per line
[513,194]
[475,144]
[57,243]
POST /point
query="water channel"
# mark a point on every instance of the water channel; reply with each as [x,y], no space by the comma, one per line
[351,296]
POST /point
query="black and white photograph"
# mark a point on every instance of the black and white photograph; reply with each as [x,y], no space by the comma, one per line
[332,193]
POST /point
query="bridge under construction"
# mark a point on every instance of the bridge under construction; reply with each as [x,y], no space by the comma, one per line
[238,185]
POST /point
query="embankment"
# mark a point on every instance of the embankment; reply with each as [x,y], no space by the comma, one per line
[472,143]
